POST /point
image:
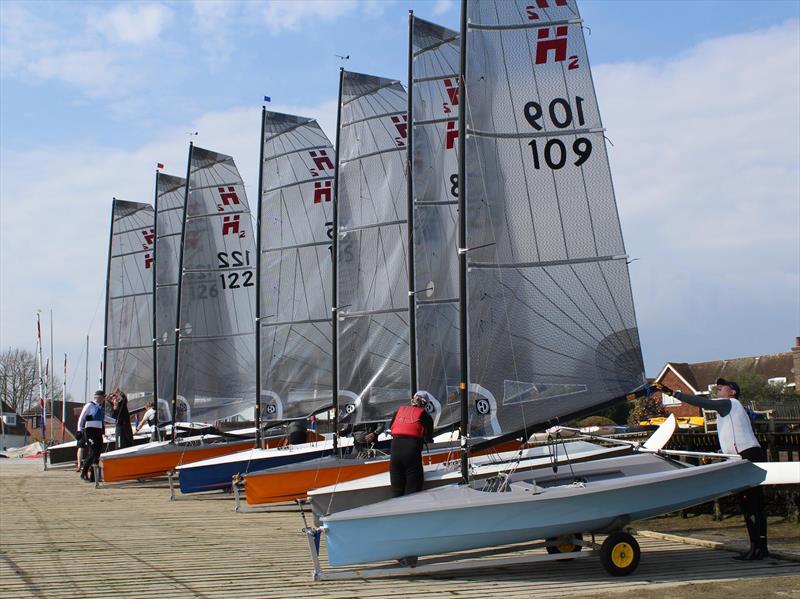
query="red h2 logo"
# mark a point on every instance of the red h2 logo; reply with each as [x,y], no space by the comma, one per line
[451,87]
[322,191]
[148,260]
[401,124]
[531,9]
[228,198]
[557,44]
[321,161]
[149,235]
[230,225]
[451,136]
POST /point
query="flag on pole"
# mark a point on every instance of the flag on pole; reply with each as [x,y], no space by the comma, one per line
[267,99]
[159,165]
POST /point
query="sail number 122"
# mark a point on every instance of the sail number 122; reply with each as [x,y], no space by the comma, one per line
[561,115]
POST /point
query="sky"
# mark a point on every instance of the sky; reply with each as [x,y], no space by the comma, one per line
[701,101]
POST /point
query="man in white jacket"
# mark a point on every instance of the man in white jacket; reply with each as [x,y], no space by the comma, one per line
[736,436]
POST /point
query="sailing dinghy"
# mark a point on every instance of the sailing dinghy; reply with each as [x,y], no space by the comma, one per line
[205,283]
[546,309]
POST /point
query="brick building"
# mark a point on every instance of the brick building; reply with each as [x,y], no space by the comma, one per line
[700,378]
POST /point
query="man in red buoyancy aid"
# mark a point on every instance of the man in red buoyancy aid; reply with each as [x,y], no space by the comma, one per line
[410,428]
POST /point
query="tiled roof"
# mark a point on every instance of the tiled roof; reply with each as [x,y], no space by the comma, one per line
[702,374]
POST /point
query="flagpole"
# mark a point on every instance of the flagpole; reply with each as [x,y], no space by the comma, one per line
[334,282]
[64,400]
[42,404]
[52,386]
[257,415]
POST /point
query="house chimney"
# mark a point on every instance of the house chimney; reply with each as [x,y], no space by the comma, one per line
[796,363]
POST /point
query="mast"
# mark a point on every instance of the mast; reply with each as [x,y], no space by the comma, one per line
[462,252]
[334,287]
[155,307]
[178,312]
[108,281]
[42,400]
[257,417]
[412,331]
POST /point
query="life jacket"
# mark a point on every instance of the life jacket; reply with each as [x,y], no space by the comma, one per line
[407,422]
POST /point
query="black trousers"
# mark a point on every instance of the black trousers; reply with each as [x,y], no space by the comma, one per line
[94,447]
[405,467]
[751,502]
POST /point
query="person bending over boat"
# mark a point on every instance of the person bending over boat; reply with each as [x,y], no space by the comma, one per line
[119,410]
[91,424]
[410,428]
[149,419]
[297,432]
[736,436]
[364,435]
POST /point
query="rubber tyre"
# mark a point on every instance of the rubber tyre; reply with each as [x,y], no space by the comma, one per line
[620,554]
[564,547]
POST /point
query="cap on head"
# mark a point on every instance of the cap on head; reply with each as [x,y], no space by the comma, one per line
[732,384]
[421,399]
[99,393]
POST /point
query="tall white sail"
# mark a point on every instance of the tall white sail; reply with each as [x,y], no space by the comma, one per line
[170,194]
[372,279]
[216,344]
[435,62]
[295,268]
[128,353]
[552,330]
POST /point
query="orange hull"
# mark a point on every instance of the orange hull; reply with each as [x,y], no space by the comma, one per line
[276,487]
[158,463]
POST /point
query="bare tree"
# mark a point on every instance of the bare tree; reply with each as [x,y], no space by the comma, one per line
[18,377]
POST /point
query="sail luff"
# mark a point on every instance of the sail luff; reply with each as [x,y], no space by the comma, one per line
[257,415]
[334,277]
[108,292]
[412,321]
[462,251]
[179,298]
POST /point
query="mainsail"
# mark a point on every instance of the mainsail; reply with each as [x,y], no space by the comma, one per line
[170,194]
[215,362]
[551,326]
[372,280]
[434,181]
[295,269]
[128,351]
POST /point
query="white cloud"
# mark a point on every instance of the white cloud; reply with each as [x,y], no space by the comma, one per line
[133,23]
[280,15]
[705,163]
[442,6]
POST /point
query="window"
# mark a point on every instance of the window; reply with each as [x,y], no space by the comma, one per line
[668,400]
[10,419]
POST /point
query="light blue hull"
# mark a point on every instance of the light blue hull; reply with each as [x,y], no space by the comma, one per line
[457,518]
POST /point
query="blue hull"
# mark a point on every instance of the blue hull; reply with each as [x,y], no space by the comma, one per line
[458,518]
[216,477]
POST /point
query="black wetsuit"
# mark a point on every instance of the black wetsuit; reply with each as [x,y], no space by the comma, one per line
[405,467]
[122,430]
[297,432]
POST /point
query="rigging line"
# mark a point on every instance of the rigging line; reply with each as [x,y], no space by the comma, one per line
[371,154]
[508,27]
[374,117]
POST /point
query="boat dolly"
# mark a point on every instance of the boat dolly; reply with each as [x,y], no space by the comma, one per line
[619,554]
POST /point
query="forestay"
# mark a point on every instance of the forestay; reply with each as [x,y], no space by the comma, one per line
[434,96]
[372,283]
[128,355]
[216,343]
[552,329]
[296,237]
[170,194]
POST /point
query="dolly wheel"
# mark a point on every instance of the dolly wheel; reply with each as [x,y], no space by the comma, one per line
[620,554]
[564,544]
